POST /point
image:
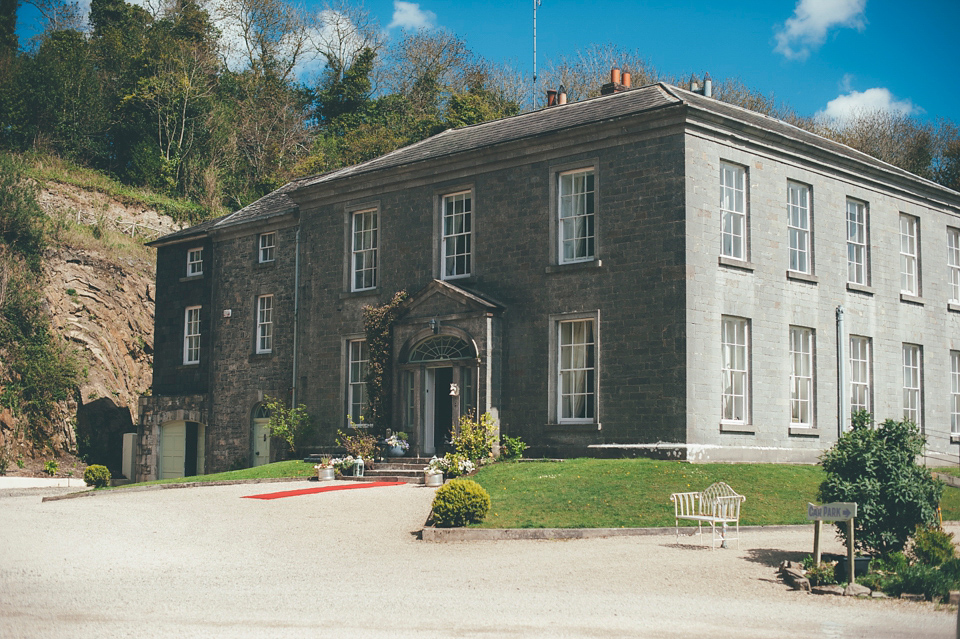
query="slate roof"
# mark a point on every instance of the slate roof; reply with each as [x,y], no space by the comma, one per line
[536,123]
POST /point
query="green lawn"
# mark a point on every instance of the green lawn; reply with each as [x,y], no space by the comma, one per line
[593,493]
[294,468]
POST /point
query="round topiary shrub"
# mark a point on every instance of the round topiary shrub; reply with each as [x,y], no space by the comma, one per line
[460,502]
[97,476]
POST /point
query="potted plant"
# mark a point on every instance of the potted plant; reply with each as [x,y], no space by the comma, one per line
[433,472]
[325,469]
[396,445]
[343,465]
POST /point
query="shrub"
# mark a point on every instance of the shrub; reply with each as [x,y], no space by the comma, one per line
[877,469]
[97,476]
[822,574]
[460,502]
[919,579]
[474,439]
[360,444]
[932,546]
[512,447]
[51,467]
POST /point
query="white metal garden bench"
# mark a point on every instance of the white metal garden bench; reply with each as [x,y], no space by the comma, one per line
[718,504]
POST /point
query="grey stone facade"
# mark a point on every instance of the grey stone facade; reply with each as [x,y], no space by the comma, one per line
[654,292]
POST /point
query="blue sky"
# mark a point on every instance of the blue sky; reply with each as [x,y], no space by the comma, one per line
[826,56]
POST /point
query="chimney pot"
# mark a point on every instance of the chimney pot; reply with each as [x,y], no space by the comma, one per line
[626,79]
[615,75]
[551,97]
[561,96]
[707,86]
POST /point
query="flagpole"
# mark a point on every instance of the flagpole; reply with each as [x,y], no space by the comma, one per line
[536,3]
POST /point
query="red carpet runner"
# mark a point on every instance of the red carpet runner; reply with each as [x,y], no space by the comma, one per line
[323,489]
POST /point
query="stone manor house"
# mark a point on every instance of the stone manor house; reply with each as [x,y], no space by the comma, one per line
[651,271]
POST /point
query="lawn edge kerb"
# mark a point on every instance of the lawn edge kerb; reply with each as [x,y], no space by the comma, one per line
[119,490]
[441,535]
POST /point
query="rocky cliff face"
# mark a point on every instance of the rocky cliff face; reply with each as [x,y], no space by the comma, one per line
[99,291]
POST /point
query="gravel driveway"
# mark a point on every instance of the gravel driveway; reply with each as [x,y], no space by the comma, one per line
[202,562]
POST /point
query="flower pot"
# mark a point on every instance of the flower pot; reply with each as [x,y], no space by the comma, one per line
[395,451]
[432,479]
[861,566]
[325,474]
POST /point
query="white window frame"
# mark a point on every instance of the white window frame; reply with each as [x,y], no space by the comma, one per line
[576,370]
[358,358]
[733,211]
[364,242]
[735,370]
[857,256]
[953,263]
[861,372]
[265,324]
[802,344]
[955,392]
[267,247]
[195,261]
[798,228]
[456,235]
[577,215]
[191,335]
[913,383]
[909,254]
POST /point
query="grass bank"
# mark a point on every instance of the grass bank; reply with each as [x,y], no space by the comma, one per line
[635,493]
[278,470]
[43,167]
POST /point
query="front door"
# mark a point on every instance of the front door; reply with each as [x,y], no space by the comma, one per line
[261,442]
[438,413]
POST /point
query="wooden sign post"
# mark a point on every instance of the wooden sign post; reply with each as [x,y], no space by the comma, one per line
[836,511]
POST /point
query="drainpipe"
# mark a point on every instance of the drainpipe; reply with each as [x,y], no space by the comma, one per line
[296,313]
[842,398]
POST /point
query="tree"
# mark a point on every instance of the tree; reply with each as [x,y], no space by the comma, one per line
[877,469]
[289,424]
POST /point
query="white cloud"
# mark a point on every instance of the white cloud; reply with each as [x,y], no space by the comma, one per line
[843,107]
[807,28]
[409,15]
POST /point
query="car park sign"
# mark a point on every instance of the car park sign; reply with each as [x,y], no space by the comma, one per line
[836,511]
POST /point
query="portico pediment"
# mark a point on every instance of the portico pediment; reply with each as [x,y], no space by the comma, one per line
[442,299]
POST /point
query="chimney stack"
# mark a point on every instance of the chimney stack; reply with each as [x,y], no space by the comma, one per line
[551,97]
[617,82]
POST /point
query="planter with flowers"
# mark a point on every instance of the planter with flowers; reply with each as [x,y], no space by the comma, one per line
[433,472]
[396,445]
[325,469]
[348,466]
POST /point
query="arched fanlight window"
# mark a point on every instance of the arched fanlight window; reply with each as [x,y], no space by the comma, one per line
[441,348]
[261,412]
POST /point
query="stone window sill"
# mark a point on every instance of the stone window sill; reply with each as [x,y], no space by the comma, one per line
[801,431]
[256,357]
[263,265]
[797,276]
[746,429]
[859,288]
[955,439]
[731,262]
[575,427]
[187,367]
[574,266]
[192,278]
[911,299]
[953,307]
[370,292]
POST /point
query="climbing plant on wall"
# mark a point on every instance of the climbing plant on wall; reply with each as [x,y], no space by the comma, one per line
[377,323]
